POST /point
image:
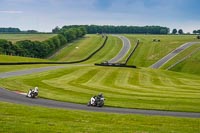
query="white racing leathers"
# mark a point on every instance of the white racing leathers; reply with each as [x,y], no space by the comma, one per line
[33,93]
[92,100]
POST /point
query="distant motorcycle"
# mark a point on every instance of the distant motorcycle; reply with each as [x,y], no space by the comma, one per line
[33,93]
[97,102]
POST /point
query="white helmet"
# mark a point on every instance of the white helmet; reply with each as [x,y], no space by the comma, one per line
[36,88]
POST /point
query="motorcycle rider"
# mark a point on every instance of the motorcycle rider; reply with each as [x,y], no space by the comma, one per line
[100,95]
[97,98]
[35,90]
[92,100]
[29,93]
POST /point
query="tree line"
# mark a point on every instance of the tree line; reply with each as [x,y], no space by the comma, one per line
[196,31]
[11,30]
[175,31]
[93,29]
[180,31]
[42,49]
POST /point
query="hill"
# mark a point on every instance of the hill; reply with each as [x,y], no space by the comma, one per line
[7,58]
[149,51]
[141,88]
[79,49]
[190,65]
[19,37]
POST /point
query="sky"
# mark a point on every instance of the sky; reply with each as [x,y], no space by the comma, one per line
[44,15]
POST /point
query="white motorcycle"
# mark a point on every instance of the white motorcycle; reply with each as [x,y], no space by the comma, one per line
[97,102]
[33,93]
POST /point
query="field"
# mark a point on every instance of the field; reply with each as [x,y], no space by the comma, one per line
[185,66]
[6,58]
[33,37]
[110,50]
[23,119]
[138,88]
[141,88]
[149,52]
[79,49]
[192,60]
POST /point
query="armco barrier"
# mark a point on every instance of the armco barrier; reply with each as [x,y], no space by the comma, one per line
[132,52]
[114,65]
[71,62]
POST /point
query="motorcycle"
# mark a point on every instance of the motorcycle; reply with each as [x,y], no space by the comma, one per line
[97,102]
[32,94]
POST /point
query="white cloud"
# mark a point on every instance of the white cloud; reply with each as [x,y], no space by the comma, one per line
[11,12]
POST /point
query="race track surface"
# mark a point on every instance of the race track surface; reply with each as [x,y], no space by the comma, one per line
[126,47]
[13,97]
[172,54]
[29,71]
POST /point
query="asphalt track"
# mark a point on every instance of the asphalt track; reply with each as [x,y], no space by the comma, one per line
[165,59]
[29,71]
[126,47]
[9,96]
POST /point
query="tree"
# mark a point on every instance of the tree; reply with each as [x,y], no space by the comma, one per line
[84,31]
[164,31]
[56,41]
[26,47]
[194,32]
[93,29]
[174,31]
[6,47]
[62,39]
[56,30]
[32,31]
[10,30]
[180,31]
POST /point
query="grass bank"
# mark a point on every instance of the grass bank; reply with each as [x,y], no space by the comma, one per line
[130,88]
[19,37]
[18,118]
[150,51]
[79,49]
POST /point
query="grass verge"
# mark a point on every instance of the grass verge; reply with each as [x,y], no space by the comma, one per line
[19,37]
[149,51]
[19,118]
[130,88]
[79,49]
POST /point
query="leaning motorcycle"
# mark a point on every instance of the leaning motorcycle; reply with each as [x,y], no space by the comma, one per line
[32,94]
[97,103]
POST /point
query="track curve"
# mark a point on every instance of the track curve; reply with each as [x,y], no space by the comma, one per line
[126,47]
[9,96]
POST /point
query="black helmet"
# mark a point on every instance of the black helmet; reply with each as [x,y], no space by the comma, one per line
[100,94]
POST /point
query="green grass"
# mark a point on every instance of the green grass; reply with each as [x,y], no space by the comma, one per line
[7,58]
[129,88]
[33,37]
[181,56]
[110,50]
[79,49]
[22,119]
[190,65]
[123,87]
[8,68]
[149,52]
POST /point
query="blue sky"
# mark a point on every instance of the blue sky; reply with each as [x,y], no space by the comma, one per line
[44,15]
